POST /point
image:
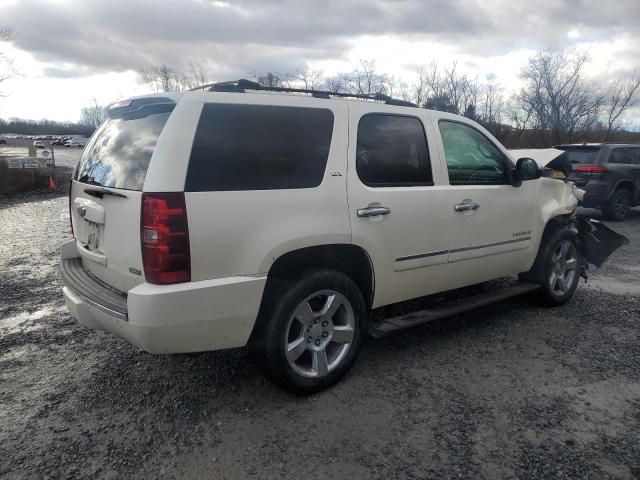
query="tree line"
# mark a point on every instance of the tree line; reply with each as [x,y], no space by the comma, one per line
[44,127]
[557,103]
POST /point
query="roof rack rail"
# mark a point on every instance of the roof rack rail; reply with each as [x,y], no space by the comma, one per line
[242,85]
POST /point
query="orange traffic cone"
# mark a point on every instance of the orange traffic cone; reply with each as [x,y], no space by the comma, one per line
[52,184]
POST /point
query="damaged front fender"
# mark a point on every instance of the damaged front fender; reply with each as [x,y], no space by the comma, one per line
[597,241]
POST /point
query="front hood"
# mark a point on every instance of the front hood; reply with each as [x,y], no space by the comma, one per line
[547,158]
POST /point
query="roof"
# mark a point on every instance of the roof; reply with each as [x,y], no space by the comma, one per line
[242,85]
[596,145]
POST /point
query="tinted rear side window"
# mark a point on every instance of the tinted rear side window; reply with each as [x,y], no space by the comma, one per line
[255,147]
[392,151]
[626,156]
[119,152]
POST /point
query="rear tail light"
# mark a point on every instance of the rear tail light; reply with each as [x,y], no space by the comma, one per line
[164,233]
[590,169]
[70,219]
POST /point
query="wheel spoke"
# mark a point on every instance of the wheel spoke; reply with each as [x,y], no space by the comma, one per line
[572,264]
[332,305]
[304,314]
[562,284]
[342,334]
[296,348]
[553,279]
[320,363]
[563,250]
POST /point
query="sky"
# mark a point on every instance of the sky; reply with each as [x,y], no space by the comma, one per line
[69,52]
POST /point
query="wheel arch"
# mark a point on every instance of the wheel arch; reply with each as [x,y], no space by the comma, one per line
[628,184]
[352,260]
[349,259]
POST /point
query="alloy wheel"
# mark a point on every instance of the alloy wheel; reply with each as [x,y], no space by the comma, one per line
[622,202]
[564,267]
[320,333]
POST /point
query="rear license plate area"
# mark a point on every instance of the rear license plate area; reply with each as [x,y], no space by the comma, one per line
[90,236]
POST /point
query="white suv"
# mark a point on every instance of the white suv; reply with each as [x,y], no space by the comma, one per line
[233,216]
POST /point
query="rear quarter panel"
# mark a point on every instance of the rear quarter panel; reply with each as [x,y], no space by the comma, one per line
[244,232]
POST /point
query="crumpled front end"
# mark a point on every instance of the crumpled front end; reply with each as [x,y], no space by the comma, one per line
[597,241]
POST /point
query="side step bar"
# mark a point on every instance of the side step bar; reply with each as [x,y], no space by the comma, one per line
[389,325]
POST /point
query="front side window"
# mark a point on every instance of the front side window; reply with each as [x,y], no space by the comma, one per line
[392,151]
[472,159]
[259,147]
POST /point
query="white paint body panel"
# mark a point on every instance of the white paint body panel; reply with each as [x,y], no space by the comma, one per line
[236,236]
[418,222]
[193,317]
[244,232]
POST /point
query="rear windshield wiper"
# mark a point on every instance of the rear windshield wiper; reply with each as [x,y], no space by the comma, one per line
[100,192]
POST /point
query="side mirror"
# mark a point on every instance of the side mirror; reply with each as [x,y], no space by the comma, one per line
[527,169]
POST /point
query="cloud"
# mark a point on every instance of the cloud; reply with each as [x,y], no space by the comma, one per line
[249,35]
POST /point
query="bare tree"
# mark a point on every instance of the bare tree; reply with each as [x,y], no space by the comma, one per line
[557,99]
[337,83]
[366,80]
[446,90]
[6,62]
[161,78]
[196,75]
[92,115]
[491,103]
[418,91]
[310,79]
[621,96]
[271,79]
[168,78]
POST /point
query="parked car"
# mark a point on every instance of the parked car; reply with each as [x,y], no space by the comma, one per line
[57,141]
[226,218]
[610,175]
[38,144]
[3,141]
[73,144]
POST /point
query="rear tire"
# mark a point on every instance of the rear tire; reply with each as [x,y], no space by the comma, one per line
[557,268]
[309,331]
[618,206]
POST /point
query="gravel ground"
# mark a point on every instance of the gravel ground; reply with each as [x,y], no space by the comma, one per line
[507,391]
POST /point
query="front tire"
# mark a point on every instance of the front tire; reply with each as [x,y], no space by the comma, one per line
[309,332]
[557,268]
[618,206]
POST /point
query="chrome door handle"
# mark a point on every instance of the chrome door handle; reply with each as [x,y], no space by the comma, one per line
[373,211]
[466,205]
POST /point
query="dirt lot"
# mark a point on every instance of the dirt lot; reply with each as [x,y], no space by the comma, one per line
[508,391]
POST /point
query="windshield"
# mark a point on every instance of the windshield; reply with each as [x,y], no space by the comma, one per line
[119,152]
[582,155]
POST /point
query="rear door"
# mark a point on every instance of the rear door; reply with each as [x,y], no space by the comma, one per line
[491,222]
[624,163]
[106,191]
[397,203]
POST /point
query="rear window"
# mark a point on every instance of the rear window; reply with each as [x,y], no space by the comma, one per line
[119,152]
[258,147]
[582,155]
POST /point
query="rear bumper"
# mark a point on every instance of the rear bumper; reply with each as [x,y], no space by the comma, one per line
[597,193]
[187,317]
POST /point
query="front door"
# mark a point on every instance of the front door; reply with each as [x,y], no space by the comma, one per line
[491,221]
[397,201]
